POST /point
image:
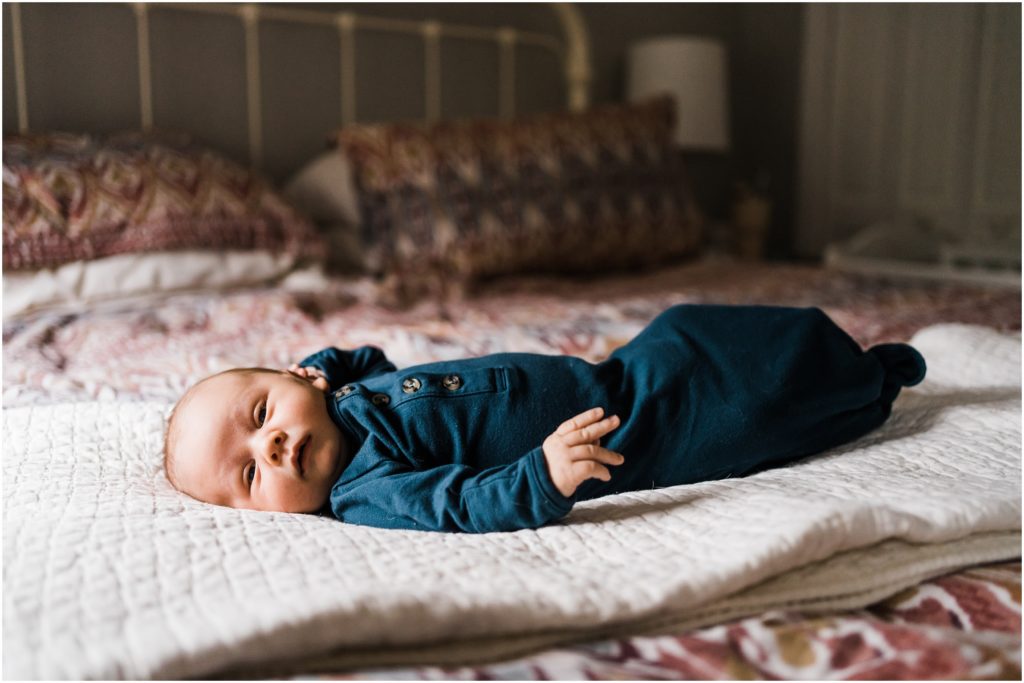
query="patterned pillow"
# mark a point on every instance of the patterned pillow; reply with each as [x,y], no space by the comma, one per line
[567,192]
[76,198]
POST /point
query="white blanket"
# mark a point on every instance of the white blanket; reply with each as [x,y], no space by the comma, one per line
[109,573]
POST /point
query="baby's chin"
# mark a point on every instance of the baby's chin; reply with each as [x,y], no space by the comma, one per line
[306,507]
[323,501]
[298,498]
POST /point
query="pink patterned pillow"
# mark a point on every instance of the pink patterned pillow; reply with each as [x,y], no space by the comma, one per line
[76,197]
[568,192]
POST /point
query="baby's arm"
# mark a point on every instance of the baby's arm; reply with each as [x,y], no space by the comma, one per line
[336,367]
[452,497]
[534,490]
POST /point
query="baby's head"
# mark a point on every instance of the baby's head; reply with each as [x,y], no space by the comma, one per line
[254,438]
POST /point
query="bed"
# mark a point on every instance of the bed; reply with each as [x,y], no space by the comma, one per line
[895,557]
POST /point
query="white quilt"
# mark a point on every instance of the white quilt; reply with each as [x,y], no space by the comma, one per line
[108,573]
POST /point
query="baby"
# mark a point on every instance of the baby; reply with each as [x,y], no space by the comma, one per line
[511,441]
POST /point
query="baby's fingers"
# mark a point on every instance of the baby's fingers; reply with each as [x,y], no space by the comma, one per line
[307,372]
[582,420]
[591,432]
[596,454]
[593,470]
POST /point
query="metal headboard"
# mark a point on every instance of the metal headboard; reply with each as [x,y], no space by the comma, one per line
[575,55]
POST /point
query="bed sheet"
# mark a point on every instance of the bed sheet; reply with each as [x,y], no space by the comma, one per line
[966,625]
[154,352]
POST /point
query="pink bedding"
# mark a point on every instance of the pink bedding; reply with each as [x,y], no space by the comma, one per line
[963,626]
[155,351]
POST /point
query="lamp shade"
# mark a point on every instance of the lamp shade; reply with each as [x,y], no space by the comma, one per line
[693,71]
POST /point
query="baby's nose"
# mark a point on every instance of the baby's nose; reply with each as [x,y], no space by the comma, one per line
[274,447]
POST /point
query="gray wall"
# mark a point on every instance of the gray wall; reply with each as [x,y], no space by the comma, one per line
[764,42]
[88,56]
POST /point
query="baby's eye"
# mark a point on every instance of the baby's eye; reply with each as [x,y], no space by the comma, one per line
[261,414]
[250,474]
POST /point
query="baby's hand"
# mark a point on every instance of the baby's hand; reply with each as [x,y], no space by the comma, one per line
[312,375]
[574,454]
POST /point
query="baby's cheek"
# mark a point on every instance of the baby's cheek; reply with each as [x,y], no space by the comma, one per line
[305,497]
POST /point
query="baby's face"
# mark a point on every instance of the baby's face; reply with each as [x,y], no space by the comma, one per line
[258,440]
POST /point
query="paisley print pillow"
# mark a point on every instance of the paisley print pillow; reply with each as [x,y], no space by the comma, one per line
[568,192]
[78,198]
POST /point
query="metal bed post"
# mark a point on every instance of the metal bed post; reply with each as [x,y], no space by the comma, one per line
[574,54]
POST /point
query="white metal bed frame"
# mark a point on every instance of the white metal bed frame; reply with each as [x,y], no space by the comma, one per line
[575,54]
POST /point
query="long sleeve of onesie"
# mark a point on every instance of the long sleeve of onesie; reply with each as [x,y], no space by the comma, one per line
[449,497]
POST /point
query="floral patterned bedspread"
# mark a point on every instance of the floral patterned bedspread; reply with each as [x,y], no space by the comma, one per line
[154,351]
[962,626]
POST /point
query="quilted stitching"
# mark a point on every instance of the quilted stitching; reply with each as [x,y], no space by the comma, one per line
[110,573]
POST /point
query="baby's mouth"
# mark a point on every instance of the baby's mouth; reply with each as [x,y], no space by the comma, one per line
[300,460]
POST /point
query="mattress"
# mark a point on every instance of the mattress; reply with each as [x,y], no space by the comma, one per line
[111,574]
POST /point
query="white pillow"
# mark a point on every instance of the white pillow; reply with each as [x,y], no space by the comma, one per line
[325,190]
[116,279]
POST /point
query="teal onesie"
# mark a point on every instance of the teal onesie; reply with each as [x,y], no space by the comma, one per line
[703,392]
